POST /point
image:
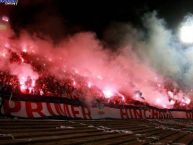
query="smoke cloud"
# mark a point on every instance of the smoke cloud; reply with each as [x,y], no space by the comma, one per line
[144,59]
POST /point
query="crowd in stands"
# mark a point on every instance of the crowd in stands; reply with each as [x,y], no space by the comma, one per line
[73,87]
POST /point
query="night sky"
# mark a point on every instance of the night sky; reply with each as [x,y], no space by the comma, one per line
[58,19]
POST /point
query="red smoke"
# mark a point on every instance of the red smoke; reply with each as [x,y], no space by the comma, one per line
[80,66]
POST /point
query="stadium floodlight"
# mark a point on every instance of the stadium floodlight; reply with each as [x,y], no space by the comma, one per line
[186,30]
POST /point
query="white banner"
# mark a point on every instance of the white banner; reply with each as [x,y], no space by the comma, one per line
[43,110]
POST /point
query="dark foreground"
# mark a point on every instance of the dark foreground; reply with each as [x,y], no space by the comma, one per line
[104,132]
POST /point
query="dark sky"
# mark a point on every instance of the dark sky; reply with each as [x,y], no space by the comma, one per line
[58,18]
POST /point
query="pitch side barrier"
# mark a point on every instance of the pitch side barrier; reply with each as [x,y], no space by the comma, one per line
[30,106]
